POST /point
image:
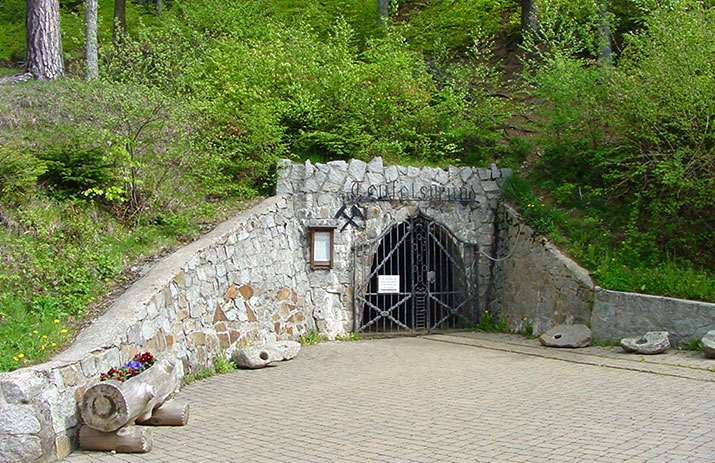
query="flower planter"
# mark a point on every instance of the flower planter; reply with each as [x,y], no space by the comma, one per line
[109,405]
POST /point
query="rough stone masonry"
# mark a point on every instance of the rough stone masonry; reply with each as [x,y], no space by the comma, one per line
[247,282]
[250,281]
[465,199]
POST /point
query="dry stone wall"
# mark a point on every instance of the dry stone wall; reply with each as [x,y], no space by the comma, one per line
[541,287]
[249,281]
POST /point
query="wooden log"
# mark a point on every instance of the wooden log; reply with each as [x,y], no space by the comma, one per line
[169,414]
[109,405]
[130,439]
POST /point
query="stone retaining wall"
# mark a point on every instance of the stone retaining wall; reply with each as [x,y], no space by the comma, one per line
[537,285]
[249,281]
[242,283]
[618,314]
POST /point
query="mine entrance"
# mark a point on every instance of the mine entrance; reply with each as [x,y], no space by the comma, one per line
[418,276]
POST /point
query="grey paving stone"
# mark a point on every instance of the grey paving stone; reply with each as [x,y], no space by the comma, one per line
[441,399]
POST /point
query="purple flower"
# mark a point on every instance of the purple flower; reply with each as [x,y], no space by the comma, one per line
[134,365]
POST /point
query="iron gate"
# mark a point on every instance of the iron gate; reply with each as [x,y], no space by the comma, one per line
[418,276]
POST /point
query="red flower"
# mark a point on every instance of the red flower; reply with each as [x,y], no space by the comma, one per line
[144,361]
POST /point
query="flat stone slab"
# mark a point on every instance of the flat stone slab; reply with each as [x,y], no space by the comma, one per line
[709,344]
[653,342]
[572,336]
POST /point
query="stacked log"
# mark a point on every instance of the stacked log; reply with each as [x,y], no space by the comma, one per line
[111,407]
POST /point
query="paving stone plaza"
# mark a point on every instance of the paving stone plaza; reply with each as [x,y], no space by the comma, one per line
[462,397]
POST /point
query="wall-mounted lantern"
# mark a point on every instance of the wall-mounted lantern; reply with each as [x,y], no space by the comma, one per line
[321,247]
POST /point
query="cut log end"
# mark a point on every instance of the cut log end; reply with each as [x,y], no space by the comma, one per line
[130,439]
[109,405]
[104,407]
[169,414]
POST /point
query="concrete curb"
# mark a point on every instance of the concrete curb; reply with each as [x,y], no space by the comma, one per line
[638,363]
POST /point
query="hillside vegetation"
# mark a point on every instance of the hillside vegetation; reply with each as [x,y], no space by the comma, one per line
[197,103]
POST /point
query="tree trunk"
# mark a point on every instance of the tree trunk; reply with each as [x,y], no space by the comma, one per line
[383,10]
[159,6]
[604,55]
[120,20]
[169,414]
[109,405]
[131,439]
[529,17]
[43,39]
[90,36]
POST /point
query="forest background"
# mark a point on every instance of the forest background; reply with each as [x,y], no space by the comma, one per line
[606,109]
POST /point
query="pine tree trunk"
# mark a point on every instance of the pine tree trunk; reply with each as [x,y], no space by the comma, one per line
[529,17]
[604,55]
[90,35]
[43,39]
[383,10]
[120,20]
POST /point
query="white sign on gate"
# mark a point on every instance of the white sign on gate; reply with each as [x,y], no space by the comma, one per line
[388,284]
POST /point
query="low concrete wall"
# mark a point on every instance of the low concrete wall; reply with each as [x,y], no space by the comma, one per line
[619,314]
[536,285]
[230,288]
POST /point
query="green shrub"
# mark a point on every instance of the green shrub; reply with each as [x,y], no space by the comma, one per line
[289,93]
[19,171]
[635,140]
[74,170]
[455,25]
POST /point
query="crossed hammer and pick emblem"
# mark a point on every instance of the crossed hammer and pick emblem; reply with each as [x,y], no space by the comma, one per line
[355,213]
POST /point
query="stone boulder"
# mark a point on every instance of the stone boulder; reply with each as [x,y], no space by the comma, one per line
[709,344]
[253,357]
[567,336]
[261,356]
[283,350]
[653,342]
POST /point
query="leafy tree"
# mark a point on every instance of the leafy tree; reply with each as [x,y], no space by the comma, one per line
[638,138]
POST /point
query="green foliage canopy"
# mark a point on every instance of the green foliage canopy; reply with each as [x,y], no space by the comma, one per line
[638,137]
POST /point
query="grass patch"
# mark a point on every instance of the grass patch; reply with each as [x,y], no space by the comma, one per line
[694,345]
[221,365]
[70,254]
[350,337]
[28,335]
[528,331]
[488,323]
[312,337]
